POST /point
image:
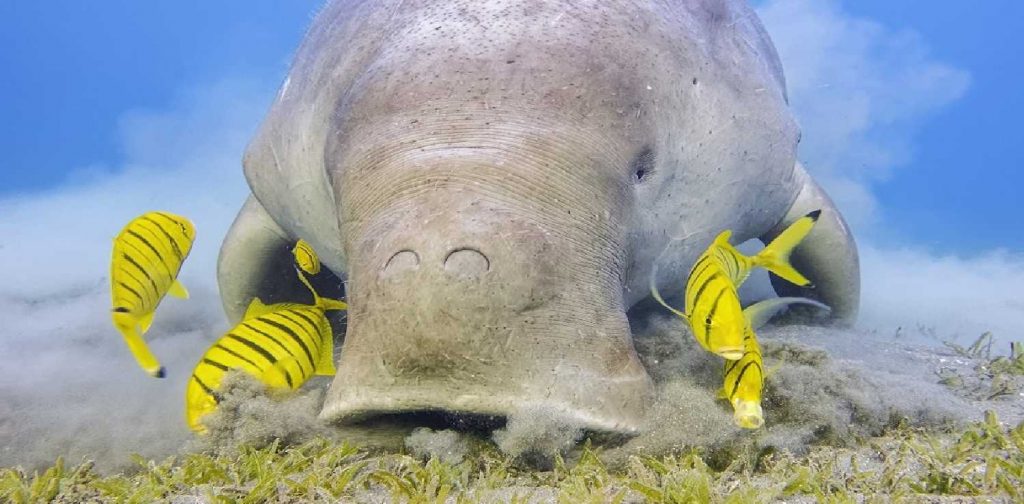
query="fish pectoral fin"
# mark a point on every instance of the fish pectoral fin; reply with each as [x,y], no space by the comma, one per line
[325,366]
[177,290]
[332,304]
[759,313]
[145,322]
[721,394]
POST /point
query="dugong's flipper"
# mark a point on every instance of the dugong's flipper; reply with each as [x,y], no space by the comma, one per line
[249,258]
[827,256]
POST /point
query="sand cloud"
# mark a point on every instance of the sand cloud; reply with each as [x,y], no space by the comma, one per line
[69,384]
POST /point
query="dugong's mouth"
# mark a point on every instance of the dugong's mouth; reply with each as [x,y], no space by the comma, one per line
[430,418]
[474,372]
[465,303]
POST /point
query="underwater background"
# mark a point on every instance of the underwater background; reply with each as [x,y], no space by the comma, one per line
[910,120]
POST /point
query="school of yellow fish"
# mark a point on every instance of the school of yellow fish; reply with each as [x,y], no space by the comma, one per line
[719,323]
[285,344]
[282,345]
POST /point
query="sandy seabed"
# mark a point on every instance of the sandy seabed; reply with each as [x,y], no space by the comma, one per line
[70,389]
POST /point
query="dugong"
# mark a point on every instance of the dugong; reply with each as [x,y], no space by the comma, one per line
[494,181]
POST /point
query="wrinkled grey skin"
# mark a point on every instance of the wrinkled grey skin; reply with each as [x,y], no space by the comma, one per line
[494,181]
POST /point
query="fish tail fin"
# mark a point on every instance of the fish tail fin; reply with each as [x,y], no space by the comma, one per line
[775,256]
[657,295]
[140,350]
[325,367]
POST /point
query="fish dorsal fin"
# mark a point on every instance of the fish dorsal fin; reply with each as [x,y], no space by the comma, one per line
[276,376]
[325,365]
[723,238]
[758,314]
[257,308]
[145,322]
[177,290]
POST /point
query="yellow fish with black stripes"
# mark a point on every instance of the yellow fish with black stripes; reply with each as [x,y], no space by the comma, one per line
[282,345]
[712,308]
[148,254]
[306,258]
[743,378]
[742,382]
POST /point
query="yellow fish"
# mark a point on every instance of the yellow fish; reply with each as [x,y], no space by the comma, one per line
[713,308]
[306,258]
[743,381]
[147,256]
[282,345]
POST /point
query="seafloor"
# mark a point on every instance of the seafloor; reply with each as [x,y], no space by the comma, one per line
[850,415]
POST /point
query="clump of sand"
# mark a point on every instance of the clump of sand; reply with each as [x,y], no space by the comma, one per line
[448,446]
[810,397]
[536,435]
[814,395]
[250,415]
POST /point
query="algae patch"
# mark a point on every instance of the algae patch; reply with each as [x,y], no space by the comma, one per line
[984,460]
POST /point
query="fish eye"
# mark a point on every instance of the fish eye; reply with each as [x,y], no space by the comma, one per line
[707,320]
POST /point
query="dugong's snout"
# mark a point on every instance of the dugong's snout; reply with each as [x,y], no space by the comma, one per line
[465,304]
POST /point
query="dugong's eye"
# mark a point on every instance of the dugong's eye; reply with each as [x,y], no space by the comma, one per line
[642,165]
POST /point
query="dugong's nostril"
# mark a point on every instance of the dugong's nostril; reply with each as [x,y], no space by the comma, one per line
[466,263]
[403,260]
